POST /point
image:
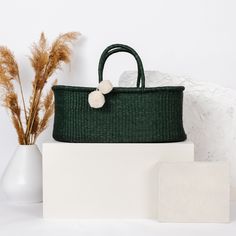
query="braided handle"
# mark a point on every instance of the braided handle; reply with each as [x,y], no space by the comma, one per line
[121,48]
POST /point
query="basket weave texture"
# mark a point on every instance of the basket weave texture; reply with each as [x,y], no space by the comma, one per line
[130,115]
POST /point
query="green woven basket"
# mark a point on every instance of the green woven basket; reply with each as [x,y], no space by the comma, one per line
[130,115]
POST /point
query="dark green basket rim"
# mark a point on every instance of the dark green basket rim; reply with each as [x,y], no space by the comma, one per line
[119,89]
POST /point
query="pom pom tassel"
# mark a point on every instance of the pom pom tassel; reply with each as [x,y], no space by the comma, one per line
[96,98]
[105,86]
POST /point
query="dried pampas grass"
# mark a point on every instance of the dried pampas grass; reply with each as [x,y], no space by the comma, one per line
[45,60]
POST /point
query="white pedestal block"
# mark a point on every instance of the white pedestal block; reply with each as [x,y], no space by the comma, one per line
[105,180]
[193,192]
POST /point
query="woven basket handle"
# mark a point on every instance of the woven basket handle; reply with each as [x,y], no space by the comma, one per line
[121,48]
[115,51]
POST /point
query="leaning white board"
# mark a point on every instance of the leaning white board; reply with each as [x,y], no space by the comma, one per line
[105,180]
[193,192]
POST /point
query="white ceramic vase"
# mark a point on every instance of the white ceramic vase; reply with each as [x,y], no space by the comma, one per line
[22,179]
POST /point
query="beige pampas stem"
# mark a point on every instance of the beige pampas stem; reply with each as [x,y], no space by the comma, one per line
[45,60]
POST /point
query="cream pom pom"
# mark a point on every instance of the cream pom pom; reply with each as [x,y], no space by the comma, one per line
[105,86]
[96,99]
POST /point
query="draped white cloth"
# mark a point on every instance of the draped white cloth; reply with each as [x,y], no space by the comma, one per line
[209,115]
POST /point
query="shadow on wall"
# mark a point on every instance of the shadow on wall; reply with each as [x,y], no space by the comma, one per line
[209,115]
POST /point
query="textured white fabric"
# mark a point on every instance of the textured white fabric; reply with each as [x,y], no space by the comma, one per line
[209,115]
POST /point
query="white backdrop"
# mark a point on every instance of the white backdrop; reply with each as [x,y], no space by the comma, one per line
[184,37]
